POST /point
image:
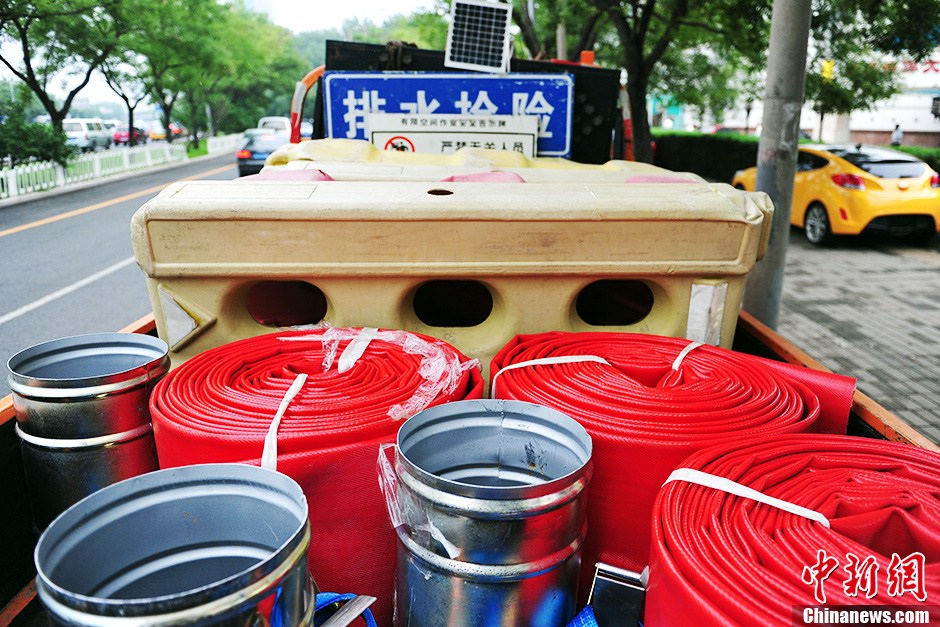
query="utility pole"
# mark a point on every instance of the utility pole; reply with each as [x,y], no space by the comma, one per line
[209,120]
[561,40]
[776,153]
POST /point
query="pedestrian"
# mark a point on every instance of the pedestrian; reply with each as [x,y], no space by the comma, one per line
[897,135]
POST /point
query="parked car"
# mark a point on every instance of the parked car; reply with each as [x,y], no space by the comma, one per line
[86,133]
[845,190]
[251,157]
[121,136]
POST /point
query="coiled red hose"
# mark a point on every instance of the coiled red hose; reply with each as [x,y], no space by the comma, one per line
[720,559]
[645,417]
[217,407]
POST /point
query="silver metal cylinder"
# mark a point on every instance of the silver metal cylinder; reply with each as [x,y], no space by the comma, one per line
[83,418]
[211,544]
[492,500]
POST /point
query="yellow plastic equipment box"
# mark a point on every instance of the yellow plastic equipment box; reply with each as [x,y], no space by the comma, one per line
[358,160]
[471,263]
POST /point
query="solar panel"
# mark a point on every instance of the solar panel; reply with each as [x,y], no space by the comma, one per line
[478,36]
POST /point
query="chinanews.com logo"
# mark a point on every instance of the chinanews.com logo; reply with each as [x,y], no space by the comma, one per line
[904,580]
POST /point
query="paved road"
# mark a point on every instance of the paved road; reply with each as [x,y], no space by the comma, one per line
[870,307]
[76,274]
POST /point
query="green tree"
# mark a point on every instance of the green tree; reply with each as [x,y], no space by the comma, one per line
[857,84]
[651,38]
[15,94]
[123,75]
[243,78]
[172,40]
[579,24]
[22,140]
[50,36]
[425,29]
[311,45]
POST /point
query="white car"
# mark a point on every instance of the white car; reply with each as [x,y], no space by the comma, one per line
[87,133]
[279,124]
[276,124]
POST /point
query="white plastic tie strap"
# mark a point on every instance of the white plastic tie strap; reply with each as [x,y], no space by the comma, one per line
[698,477]
[548,361]
[355,349]
[685,351]
[269,454]
[388,484]
[440,374]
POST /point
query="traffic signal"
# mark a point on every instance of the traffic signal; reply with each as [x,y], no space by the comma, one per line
[827,69]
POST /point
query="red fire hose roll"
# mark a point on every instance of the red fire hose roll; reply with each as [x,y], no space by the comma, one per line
[721,559]
[645,417]
[217,407]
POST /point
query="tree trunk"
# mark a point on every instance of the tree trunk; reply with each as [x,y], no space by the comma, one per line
[588,36]
[642,138]
[822,114]
[131,140]
[529,36]
[166,117]
[55,119]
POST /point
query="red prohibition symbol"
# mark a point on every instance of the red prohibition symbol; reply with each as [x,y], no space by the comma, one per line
[400,143]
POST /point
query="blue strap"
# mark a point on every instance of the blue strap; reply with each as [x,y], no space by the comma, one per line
[584,619]
[326,599]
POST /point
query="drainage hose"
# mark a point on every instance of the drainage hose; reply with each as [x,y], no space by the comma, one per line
[217,407]
[648,402]
[721,559]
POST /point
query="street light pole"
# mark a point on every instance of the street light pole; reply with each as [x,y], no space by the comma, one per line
[776,153]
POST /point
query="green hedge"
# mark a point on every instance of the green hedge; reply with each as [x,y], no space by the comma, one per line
[715,157]
[930,155]
[718,157]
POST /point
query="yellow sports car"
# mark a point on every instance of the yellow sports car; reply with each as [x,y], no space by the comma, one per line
[845,190]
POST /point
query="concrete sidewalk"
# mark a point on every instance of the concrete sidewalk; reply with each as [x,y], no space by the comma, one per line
[870,308]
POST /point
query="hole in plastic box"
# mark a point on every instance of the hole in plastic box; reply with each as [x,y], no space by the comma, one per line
[614,302]
[440,192]
[452,303]
[286,303]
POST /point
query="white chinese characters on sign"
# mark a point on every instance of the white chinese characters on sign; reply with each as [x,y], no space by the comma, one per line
[420,105]
[536,105]
[358,108]
[479,103]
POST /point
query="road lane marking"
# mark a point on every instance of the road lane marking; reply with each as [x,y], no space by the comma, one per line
[48,298]
[108,203]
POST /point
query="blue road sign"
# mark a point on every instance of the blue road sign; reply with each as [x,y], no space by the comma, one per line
[350,96]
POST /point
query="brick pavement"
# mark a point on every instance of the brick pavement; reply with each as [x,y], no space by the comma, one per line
[870,308]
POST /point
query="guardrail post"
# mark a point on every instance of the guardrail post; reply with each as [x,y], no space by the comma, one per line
[126,158]
[96,166]
[59,175]
[11,183]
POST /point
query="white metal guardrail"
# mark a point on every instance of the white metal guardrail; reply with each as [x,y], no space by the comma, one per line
[42,175]
[225,143]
